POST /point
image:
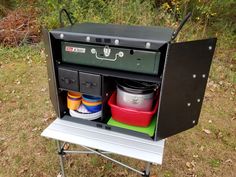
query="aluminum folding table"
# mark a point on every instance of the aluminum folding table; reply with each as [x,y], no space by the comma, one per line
[102,142]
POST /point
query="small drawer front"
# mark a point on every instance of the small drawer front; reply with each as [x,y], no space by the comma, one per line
[90,84]
[68,79]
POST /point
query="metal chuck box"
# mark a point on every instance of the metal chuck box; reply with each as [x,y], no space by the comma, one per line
[132,81]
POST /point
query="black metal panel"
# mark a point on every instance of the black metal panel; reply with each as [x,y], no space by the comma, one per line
[108,87]
[108,34]
[185,76]
[51,72]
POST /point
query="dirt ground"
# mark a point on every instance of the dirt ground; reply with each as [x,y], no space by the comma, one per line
[209,149]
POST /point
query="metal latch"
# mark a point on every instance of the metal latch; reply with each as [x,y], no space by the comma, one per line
[106,51]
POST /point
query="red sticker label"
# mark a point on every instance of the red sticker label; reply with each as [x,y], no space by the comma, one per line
[75,49]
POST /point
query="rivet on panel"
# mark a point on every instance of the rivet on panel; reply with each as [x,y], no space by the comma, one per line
[106,94]
[194,75]
[210,47]
[88,39]
[117,42]
[198,100]
[188,104]
[148,45]
[204,75]
[61,36]
[194,121]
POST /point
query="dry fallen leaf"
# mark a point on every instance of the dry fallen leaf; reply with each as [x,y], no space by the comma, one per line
[71,163]
[66,146]
[219,135]
[35,129]
[188,164]
[193,163]
[43,89]
[206,131]
[59,175]
[23,170]
[201,148]
[229,161]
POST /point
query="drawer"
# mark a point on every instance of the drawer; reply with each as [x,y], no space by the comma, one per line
[68,79]
[139,61]
[90,84]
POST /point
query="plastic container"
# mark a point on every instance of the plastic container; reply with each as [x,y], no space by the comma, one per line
[91,103]
[90,98]
[130,116]
[83,113]
[73,100]
[93,109]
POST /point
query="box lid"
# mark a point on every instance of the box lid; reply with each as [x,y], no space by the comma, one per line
[145,37]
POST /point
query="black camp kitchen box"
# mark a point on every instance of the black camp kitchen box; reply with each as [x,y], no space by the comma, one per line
[89,58]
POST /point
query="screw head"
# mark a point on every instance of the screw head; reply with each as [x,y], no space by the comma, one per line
[93,51]
[121,54]
[88,39]
[117,42]
[61,36]
[148,45]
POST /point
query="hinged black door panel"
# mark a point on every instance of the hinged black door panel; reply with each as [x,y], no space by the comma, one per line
[53,92]
[184,81]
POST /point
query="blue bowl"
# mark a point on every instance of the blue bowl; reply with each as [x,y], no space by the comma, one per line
[93,109]
[90,98]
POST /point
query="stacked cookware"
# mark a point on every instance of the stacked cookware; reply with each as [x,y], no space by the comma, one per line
[134,103]
[84,106]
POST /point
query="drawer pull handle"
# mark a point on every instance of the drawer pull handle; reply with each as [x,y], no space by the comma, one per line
[89,84]
[119,54]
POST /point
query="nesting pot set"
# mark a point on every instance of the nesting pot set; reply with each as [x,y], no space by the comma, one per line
[133,102]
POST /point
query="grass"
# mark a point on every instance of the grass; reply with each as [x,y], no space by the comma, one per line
[26,110]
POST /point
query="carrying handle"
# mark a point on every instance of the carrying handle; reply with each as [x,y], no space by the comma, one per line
[176,32]
[119,54]
[68,16]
